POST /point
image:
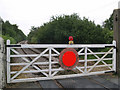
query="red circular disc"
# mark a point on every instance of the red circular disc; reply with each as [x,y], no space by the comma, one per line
[68,58]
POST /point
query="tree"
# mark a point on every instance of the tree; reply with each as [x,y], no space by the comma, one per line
[12,31]
[59,28]
[108,26]
[108,23]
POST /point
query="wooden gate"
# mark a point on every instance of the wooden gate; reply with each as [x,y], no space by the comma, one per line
[93,59]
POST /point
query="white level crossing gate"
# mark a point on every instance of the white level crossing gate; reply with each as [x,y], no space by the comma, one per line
[93,59]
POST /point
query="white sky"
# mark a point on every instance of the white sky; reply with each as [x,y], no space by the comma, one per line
[27,13]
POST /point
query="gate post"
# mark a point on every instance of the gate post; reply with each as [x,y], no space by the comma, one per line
[2,64]
[8,62]
[116,37]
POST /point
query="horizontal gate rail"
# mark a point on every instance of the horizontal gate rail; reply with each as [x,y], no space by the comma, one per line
[45,63]
[57,77]
[34,55]
[91,62]
[60,45]
[60,69]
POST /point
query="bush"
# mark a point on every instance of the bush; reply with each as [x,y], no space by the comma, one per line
[12,40]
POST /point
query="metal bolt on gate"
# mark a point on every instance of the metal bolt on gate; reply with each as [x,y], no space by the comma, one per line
[92,59]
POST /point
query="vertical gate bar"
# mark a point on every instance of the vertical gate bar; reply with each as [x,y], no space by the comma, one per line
[85,60]
[50,67]
[8,62]
[114,56]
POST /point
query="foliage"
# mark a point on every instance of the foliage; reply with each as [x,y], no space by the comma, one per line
[59,28]
[108,23]
[12,32]
[12,40]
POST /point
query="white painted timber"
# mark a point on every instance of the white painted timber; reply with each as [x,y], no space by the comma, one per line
[63,45]
[8,62]
[50,51]
[57,77]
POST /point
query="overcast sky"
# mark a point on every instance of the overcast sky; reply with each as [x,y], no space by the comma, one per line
[27,13]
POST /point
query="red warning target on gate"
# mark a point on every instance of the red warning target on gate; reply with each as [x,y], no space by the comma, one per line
[68,58]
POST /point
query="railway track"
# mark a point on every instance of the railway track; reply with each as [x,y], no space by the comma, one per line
[80,82]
